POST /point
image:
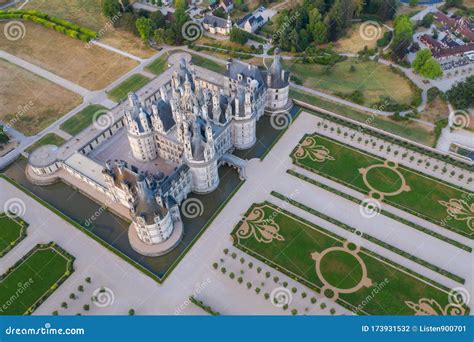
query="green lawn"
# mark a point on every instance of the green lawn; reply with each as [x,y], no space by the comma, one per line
[159,65]
[131,84]
[406,129]
[33,279]
[49,138]
[208,64]
[373,79]
[81,120]
[423,199]
[12,231]
[390,287]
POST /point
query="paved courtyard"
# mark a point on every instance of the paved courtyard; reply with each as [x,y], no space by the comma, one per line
[195,275]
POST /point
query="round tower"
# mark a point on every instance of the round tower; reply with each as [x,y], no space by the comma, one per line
[140,131]
[278,87]
[200,156]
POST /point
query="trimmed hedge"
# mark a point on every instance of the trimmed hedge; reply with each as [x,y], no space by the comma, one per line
[49,292]
[383,212]
[370,238]
[201,304]
[59,25]
[24,225]
[399,141]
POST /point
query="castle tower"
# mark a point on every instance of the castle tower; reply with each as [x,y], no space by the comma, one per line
[140,131]
[244,123]
[200,156]
[278,84]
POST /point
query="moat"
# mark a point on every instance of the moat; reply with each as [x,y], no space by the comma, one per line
[114,230]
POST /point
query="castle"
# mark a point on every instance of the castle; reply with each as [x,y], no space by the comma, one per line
[191,125]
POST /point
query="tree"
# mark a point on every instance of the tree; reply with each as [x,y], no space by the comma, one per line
[431,69]
[131,312]
[4,138]
[413,3]
[180,4]
[316,27]
[159,35]
[421,58]
[145,28]
[403,36]
[461,95]
[426,65]
[219,12]
[238,36]
[110,8]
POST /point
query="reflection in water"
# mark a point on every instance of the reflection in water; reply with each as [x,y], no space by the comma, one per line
[113,229]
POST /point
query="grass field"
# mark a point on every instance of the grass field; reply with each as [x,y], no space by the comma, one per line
[88,13]
[344,273]
[159,65]
[424,198]
[81,120]
[208,64]
[11,232]
[90,67]
[30,103]
[373,79]
[37,275]
[353,42]
[133,83]
[48,139]
[407,129]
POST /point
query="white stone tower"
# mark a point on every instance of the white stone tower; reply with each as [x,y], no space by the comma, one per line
[140,131]
[278,86]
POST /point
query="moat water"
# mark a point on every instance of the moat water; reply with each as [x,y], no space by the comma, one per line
[114,230]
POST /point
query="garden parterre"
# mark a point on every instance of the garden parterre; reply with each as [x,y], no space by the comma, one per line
[383,180]
[355,277]
[33,278]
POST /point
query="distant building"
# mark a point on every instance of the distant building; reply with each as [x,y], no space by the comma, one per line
[456,25]
[227,5]
[441,50]
[251,23]
[216,25]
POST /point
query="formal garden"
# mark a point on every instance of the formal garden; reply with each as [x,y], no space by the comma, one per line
[13,231]
[27,284]
[353,276]
[383,180]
